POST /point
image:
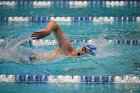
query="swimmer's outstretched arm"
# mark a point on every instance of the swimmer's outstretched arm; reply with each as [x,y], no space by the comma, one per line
[46,56]
[53,27]
[63,41]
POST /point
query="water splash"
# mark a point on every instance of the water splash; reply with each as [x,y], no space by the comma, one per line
[104,47]
[12,50]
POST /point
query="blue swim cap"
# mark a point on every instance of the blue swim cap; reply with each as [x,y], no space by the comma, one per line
[92,49]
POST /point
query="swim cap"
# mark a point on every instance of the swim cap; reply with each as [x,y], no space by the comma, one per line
[91,49]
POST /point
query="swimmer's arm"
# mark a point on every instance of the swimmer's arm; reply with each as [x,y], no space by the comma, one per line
[47,56]
[53,54]
[60,36]
[52,25]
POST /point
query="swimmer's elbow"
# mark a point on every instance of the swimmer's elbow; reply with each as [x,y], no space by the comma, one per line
[52,26]
[53,22]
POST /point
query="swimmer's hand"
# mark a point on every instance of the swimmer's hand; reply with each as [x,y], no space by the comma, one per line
[40,34]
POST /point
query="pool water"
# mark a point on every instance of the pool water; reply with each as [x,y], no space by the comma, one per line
[110,60]
[104,63]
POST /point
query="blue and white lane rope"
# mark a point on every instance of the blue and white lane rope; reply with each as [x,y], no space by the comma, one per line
[127,42]
[69,79]
[70,19]
[54,42]
[71,3]
[46,42]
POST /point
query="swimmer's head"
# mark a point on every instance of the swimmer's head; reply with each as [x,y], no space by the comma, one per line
[87,49]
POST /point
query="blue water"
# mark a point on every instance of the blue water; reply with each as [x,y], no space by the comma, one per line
[70,88]
[110,60]
[67,11]
[104,63]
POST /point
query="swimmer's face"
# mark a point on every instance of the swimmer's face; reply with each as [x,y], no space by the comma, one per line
[82,50]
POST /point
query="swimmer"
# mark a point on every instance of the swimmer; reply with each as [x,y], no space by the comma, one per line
[64,45]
